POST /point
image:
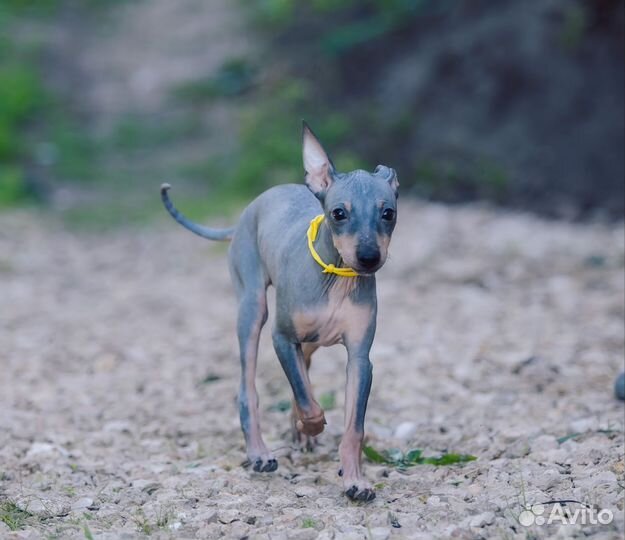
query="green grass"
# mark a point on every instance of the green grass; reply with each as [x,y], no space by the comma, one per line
[401,460]
[162,519]
[13,517]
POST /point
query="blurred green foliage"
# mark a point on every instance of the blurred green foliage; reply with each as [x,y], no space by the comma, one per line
[318,62]
[269,148]
[331,32]
[234,78]
[39,138]
[21,97]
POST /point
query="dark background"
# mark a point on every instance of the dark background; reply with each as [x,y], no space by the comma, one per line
[517,103]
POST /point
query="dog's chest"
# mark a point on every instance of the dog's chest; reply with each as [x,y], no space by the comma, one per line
[328,323]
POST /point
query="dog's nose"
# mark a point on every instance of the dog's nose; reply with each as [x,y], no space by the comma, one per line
[368,257]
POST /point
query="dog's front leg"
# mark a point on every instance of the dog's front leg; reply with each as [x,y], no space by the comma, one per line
[310,419]
[359,375]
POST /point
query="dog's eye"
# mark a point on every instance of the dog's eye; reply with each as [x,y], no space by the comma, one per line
[388,214]
[339,214]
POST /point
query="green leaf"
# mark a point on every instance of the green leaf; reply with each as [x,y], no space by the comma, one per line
[374,455]
[211,377]
[395,457]
[449,459]
[414,457]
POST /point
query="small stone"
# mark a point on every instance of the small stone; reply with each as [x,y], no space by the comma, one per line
[325,502]
[303,534]
[148,486]
[277,501]
[518,449]
[547,479]
[405,430]
[544,443]
[483,519]
[306,491]
[582,425]
[264,521]
[380,533]
[39,449]
[210,516]
[82,504]
[43,508]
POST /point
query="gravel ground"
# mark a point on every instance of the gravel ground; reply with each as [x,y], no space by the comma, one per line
[499,335]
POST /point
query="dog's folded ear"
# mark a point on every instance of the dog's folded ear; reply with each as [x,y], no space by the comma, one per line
[318,166]
[389,175]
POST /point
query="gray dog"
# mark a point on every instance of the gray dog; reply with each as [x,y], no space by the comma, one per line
[319,246]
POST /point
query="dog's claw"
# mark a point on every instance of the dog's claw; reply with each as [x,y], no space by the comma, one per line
[365,495]
[270,466]
[340,472]
[262,466]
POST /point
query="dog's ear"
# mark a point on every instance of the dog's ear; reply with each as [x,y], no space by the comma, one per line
[317,164]
[390,176]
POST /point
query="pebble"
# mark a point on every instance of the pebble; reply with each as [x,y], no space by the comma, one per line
[543,443]
[483,519]
[517,449]
[306,491]
[547,479]
[405,430]
[42,507]
[82,503]
[148,486]
[39,449]
[303,534]
[379,533]
[582,425]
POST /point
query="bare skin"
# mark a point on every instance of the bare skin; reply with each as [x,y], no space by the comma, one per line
[313,309]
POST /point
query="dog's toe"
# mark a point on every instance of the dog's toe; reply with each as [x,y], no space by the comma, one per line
[365,495]
[270,466]
[263,466]
[360,494]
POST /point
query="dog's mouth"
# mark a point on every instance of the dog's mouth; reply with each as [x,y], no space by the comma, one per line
[367,270]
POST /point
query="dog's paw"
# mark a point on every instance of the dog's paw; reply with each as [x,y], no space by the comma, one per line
[303,443]
[359,491]
[311,426]
[262,465]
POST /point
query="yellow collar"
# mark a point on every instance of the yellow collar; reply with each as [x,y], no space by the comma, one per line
[311,234]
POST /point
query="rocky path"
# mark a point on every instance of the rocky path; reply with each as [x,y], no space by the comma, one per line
[499,336]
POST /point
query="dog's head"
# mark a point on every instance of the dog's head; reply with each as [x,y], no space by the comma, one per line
[360,207]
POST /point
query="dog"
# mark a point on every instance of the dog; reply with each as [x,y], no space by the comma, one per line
[320,245]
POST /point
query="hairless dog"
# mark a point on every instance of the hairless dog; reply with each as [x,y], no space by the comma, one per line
[319,245]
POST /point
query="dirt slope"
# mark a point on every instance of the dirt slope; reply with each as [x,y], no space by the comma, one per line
[497,335]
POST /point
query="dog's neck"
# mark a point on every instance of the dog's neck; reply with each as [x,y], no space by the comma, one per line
[325,246]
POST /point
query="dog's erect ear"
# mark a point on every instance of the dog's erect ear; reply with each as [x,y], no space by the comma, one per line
[389,175]
[317,164]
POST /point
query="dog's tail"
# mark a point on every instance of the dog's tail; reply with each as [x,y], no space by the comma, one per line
[200,230]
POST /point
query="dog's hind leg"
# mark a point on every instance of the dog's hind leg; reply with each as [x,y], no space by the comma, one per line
[251,284]
[305,442]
